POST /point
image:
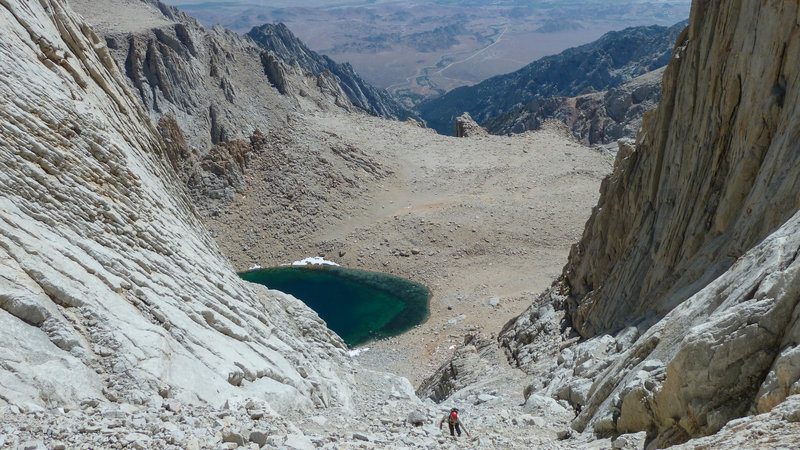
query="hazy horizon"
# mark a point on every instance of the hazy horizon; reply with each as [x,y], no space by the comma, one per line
[423,48]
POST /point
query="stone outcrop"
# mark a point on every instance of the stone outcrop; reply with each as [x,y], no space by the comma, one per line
[469,365]
[219,174]
[466,127]
[598,118]
[276,71]
[685,282]
[110,288]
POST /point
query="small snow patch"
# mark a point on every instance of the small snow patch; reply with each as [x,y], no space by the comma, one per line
[357,351]
[255,267]
[452,347]
[314,261]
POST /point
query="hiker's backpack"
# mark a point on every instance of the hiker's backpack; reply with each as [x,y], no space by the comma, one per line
[453,417]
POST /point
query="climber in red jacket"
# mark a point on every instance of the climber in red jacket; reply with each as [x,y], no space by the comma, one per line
[453,422]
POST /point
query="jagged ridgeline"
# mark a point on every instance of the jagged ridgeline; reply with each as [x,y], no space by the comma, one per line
[615,58]
[596,118]
[286,46]
[216,84]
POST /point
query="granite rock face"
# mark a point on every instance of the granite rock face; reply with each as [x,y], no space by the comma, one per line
[110,287]
[219,174]
[685,283]
[218,86]
[709,176]
[598,118]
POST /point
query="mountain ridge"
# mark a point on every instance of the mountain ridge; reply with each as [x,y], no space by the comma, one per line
[595,119]
[613,59]
[278,39]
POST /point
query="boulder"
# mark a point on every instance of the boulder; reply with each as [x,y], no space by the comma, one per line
[416,418]
[542,406]
[634,441]
[234,437]
[466,127]
[258,437]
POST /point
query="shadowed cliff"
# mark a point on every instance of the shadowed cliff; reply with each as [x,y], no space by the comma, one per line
[684,288]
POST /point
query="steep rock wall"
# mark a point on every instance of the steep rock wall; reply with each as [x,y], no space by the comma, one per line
[711,174]
[686,281]
[109,286]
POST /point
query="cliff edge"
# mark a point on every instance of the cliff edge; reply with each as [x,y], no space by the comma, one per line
[684,288]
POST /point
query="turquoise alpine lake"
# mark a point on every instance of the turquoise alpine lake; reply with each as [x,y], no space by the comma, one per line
[357,305]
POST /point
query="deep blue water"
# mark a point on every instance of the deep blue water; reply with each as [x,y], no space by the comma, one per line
[357,305]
